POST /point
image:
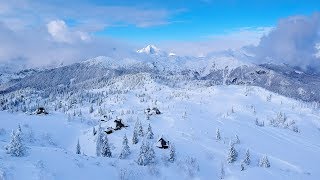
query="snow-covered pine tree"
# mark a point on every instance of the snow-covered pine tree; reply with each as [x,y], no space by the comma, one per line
[222,173]
[19,129]
[172,155]
[105,148]
[150,154]
[232,154]
[218,136]
[78,149]
[140,130]
[135,139]
[264,162]
[16,146]
[125,148]
[237,140]
[149,132]
[99,143]
[247,160]
[142,159]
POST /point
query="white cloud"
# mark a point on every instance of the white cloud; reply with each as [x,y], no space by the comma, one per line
[61,33]
[293,42]
[58,30]
[213,43]
[36,47]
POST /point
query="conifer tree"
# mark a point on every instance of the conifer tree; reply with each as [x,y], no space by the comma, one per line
[218,136]
[125,148]
[140,130]
[264,162]
[172,155]
[150,133]
[150,154]
[105,148]
[78,149]
[16,146]
[232,154]
[99,143]
[135,139]
[142,159]
[247,160]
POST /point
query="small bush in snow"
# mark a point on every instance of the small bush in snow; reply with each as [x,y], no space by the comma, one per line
[295,129]
[218,136]
[236,139]
[242,167]
[261,124]
[264,162]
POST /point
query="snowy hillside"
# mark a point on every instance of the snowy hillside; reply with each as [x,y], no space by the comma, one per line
[219,117]
[225,68]
[284,130]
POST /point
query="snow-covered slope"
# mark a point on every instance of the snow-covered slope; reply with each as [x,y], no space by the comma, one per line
[196,97]
[189,119]
[220,68]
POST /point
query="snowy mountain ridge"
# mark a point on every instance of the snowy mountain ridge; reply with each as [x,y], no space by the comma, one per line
[216,69]
[150,49]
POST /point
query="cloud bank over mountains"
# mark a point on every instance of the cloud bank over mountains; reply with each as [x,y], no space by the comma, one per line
[294,41]
[53,44]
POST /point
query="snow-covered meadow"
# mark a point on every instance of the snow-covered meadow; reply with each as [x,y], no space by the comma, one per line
[285,131]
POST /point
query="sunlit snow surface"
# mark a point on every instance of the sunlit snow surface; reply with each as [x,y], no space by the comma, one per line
[189,119]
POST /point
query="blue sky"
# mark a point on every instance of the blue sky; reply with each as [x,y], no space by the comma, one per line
[79,29]
[194,20]
[155,21]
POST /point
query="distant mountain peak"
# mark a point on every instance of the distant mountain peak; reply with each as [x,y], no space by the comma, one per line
[150,49]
